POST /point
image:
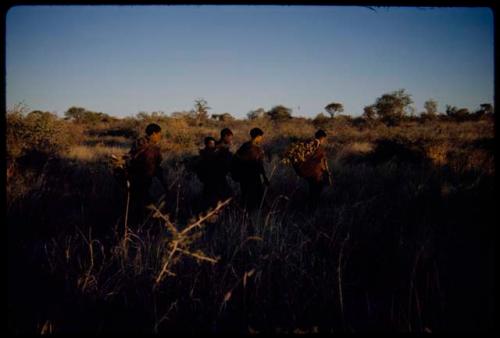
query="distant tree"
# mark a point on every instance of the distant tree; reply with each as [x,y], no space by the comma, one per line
[431,107]
[451,110]
[81,115]
[256,114]
[485,109]
[458,114]
[462,113]
[280,113]
[75,114]
[333,108]
[225,117]
[158,114]
[20,108]
[430,112]
[201,109]
[392,107]
[369,112]
[183,115]
[142,115]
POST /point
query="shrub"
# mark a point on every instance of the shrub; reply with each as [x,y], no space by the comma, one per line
[41,132]
[280,113]
[392,107]
[82,115]
[321,120]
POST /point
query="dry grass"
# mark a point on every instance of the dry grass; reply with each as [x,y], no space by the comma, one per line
[93,153]
[384,252]
[438,153]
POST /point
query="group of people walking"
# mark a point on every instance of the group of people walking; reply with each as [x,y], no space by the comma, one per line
[246,166]
[215,164]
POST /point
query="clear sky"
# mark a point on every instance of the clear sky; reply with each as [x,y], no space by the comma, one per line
[124,59]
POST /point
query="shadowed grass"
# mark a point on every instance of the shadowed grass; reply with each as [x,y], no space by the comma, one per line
[398,243]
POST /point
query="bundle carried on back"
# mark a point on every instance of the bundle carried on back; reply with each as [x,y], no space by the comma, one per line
[299,153]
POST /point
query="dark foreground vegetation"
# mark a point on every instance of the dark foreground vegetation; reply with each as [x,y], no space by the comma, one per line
[402,241]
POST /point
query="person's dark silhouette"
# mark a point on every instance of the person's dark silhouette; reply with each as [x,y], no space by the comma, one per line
[144,164]
[315,170]
[207,172]
[223,162]
[249,170]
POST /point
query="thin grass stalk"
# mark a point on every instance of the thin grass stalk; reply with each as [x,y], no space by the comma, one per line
[265,194]
[339,276]
[202,219]
[412,286]
[165,266]
[125,232]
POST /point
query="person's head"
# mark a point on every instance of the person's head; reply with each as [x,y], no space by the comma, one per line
[320,135]
[226,135]
[256,134]
[153,131]
[209,142]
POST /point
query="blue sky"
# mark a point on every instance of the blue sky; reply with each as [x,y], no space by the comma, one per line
[124,59]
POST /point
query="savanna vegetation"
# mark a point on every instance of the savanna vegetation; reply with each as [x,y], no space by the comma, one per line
[402,241]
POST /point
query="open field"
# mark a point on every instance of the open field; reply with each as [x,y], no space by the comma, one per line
[402,241]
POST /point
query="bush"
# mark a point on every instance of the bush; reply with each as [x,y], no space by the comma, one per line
[321,120]
[427,117]
[41,132]
[280,113]
[83,116]
[392,107]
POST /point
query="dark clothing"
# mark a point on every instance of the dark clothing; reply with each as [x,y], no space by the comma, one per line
[205,169]
[144,165]
[224,157]
[250,166]
[212,173]
[253,158]
[145,160]
[315,171]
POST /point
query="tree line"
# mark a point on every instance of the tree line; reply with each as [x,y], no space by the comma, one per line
[390,108]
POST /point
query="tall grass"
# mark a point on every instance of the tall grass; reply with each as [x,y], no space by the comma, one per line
[398,243]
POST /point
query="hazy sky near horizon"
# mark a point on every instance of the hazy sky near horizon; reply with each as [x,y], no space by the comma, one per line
[124,59]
